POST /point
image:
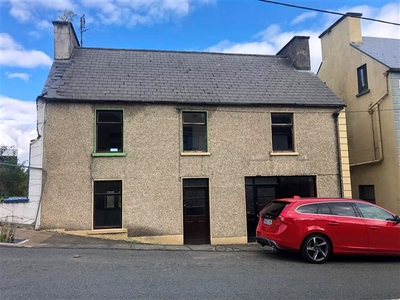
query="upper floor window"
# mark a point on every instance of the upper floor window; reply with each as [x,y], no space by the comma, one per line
[362,79]
[109,131]
[194,129]
[282,131]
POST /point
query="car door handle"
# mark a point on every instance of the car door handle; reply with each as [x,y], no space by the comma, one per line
[374,227]
[333,223]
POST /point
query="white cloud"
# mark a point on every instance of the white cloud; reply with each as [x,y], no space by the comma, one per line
[389,12]
[143,12]
[108,12]
[254,48]
[273,38]
[17,125]
[27,10]
[23,76]
[14,55]
[303,17]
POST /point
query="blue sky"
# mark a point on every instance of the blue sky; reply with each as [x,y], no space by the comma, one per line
[235,26]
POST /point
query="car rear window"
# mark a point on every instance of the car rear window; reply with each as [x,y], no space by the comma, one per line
[273,210]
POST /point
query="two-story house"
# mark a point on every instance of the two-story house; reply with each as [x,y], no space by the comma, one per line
[182,147]
[365,73]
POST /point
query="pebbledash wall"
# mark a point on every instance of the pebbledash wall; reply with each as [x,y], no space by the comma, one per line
[153,167]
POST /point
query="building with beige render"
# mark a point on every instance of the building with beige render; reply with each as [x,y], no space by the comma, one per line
[182,147]
[365,73]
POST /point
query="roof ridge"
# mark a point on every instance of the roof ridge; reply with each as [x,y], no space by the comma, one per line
[179,51]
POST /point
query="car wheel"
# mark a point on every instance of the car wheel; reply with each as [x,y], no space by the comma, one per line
[316,249]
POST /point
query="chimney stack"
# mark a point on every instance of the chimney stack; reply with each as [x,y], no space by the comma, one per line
[297,51]
[65,39]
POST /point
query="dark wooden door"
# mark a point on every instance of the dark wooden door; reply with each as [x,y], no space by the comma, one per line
[196,211]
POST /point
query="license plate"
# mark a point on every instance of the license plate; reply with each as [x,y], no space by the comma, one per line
[267,221]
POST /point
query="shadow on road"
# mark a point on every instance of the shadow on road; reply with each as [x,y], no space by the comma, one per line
[296,258]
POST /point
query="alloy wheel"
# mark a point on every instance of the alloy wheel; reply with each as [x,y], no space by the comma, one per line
[316,249]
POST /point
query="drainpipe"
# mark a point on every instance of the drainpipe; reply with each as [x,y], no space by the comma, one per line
[379,157]
[335,116]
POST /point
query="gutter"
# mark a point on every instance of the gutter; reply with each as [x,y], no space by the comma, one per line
[379,157]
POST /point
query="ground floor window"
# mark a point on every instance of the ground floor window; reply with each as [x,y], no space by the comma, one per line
[107,204]
[261,190]
[367,193]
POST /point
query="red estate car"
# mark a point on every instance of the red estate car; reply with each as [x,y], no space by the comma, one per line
[319,227]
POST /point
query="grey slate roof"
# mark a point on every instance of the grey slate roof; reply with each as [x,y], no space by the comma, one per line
[184,77]
[384,50]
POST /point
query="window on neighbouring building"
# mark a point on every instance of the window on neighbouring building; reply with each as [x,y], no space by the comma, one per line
[282,131]
[194,128]
[107,204]
[367,193]
[109,131]
[362,79]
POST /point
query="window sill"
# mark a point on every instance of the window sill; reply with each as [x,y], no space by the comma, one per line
[284,153]
[195,153]
[108,154]
[363,93]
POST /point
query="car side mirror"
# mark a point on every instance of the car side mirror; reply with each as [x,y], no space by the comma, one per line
[397,219]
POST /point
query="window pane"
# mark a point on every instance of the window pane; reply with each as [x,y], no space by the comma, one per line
[373,212]
[194,138]
[194,118]
[112,116]
[308,209]
[196,182]
[367,192]
[281,118]
[362,78]
[265,180]
[109,138]
[273,210]
[107,187]
[282,138]
[303,186]
[342,209]
[324,209]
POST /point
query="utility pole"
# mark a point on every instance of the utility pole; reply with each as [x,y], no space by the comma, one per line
[82,27]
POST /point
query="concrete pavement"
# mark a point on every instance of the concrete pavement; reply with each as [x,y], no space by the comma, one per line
[48,239]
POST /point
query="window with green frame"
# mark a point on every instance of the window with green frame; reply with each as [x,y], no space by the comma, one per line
[109,131]
[282,131]
[194,131]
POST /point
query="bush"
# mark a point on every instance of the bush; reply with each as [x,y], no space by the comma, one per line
[7,234]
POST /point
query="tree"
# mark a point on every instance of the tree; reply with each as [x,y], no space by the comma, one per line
[66,15]
[13,176]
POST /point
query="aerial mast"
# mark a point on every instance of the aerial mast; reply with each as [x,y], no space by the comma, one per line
[82,27]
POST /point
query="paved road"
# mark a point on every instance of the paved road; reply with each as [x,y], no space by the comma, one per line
[50,273]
